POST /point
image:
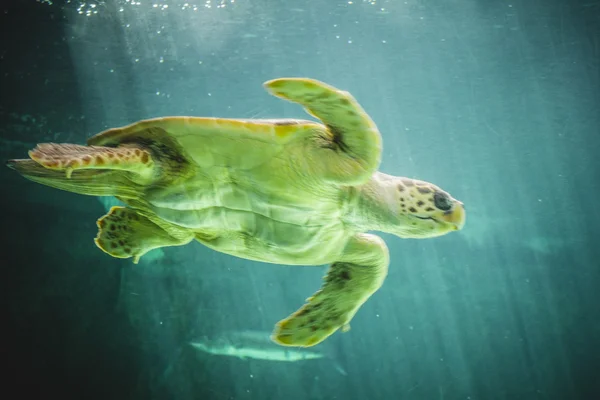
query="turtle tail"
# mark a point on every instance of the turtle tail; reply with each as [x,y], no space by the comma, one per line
[89,170]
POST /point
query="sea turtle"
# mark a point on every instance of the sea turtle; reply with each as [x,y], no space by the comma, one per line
[282,191]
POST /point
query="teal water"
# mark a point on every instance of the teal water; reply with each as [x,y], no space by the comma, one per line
[497,102]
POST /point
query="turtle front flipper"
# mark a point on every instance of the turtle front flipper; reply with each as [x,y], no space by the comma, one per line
[348,285]
[349,151]
[124,233]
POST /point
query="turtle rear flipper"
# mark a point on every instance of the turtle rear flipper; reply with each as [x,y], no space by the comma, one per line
[124,233]
[89,182]
[73,157]
[90,170]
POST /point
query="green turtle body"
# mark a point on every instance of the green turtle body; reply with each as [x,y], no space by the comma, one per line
[280,191]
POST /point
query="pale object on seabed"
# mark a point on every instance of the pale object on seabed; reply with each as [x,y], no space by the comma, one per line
[256,345]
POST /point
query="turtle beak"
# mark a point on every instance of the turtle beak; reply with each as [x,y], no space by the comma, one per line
[456,216]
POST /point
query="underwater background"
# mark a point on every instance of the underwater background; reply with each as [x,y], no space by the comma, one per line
[496,101]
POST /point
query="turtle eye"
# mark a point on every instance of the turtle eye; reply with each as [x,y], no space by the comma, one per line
[442,201]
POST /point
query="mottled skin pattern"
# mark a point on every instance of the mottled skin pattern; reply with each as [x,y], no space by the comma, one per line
[280,191]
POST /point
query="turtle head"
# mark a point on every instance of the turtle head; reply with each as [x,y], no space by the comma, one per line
[424,210]
[404,207]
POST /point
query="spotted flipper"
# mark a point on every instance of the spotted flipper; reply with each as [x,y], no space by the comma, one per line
[351,133]
[123,233]
[73,157]
[346,287]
